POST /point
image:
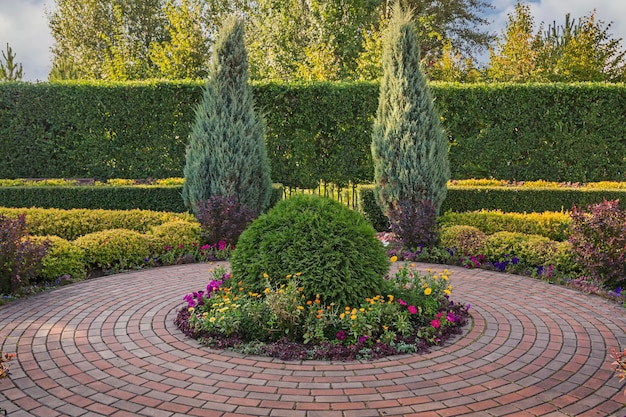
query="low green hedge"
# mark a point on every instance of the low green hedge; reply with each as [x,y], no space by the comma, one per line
[462,199]
[125,197]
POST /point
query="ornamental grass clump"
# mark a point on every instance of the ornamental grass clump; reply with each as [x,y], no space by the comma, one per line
[285,321]
[333,247]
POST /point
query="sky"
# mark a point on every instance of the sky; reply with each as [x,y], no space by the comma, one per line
[24,25]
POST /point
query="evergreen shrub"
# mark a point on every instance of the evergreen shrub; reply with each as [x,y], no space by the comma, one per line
[176,234]
[467,240]
[553,225]
[63,258]
[332,248]
[532,250]
[117,249]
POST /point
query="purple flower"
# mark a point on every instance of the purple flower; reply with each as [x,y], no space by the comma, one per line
[363,339]
[515,260]
[189,298]
[168,248]
[618,291]
[451,317]
[467,307]
[205,247]
[221,245]
[539,270]
[198,296]
[341,335]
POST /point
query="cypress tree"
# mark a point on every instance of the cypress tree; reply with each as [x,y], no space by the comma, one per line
[226,156]
[409,145]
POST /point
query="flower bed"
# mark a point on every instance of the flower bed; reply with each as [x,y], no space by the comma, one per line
[285,323]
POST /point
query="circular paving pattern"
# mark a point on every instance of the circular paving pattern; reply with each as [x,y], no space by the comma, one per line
[108,346]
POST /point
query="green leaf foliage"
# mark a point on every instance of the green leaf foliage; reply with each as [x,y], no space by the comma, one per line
[333,248]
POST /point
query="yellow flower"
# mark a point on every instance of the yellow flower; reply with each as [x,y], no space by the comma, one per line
[341,316]
[394,259]
[390,297]
[191,309]
[205,315]
[300,308]
[289,276]
[212,319]
[385,328]
[353,317]
[447,292]
[347,308]
[427,291]
[265,275]
[362,310]
[267,291]
[298,274]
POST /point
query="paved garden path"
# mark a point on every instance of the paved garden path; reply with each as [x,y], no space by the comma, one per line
[108,346]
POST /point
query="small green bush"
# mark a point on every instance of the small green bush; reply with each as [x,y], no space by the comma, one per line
[333,248]
[176,234]
[468,240]
[532,250]
[553,225]
[71,224]
[370,209]
[63,258]
[115,249]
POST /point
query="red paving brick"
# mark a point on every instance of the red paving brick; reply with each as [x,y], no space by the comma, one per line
[98,345]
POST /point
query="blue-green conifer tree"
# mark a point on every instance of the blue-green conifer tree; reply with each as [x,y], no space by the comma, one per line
[227,155]
[409,145]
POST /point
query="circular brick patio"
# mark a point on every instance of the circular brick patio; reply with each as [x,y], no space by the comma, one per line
[108,346]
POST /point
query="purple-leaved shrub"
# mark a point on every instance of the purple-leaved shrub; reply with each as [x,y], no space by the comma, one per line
[414,222]
[598,239]
[20,258]
[223,219]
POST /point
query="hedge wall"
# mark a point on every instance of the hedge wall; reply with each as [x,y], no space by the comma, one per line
[316,131]
[154,198]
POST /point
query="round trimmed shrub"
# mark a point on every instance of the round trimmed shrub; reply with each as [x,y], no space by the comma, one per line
[175,233]
[115,248]
[333,250]
[63,258]
[468,240]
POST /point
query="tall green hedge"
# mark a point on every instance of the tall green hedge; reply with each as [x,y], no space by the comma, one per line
[556,132]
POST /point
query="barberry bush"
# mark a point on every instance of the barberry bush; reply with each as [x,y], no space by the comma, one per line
[20,258]
[223,219]
[598,239]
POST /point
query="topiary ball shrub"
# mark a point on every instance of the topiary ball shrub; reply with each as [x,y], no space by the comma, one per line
[467,240]
[333,249]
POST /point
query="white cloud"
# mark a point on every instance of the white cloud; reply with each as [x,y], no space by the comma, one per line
[24,25]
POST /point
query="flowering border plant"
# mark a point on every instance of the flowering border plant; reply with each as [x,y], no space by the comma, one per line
[283,322]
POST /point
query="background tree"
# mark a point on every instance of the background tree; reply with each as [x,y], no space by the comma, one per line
[10,70]
[409,146]
[573,52]
[226,156]
[187,51]
[583,51]
[515,56]
[102,39]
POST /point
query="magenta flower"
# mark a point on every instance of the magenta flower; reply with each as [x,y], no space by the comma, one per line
[412,309]
[221,245]
[440,315]
[205,247]
[401,302]
[363,339]
[435,323]
[191,301]
[198,296]
[451,317]
[341,335]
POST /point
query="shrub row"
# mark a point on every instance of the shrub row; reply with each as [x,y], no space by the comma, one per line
[316,131]
[74,223]
[506,199]
[126,197]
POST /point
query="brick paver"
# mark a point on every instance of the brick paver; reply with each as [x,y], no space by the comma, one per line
[108,346]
